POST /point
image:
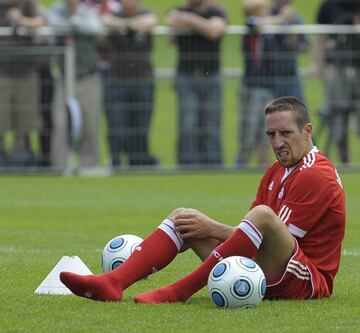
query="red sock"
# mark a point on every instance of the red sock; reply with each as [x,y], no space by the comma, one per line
[153,254]
[239,243]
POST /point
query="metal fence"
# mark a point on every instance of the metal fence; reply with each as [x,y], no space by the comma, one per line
[142,109]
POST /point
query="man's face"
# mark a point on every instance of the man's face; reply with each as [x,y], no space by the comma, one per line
[196,3]
[72,4]
[289,143]
[280,3]
[129,5]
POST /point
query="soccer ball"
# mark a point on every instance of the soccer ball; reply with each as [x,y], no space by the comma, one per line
[118,250]
[236,282]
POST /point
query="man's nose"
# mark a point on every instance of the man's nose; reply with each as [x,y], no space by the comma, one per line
[278,141]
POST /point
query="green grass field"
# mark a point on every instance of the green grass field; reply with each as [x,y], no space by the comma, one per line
[45,218]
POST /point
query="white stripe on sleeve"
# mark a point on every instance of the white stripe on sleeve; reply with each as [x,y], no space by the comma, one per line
[296,231]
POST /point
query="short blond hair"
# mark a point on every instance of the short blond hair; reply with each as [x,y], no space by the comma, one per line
[254,7]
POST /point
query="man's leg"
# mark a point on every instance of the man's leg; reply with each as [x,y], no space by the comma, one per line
[188,130]
[153,254]
[210,120]
[260,236]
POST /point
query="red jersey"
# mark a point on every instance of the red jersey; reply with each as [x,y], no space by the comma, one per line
[310,200]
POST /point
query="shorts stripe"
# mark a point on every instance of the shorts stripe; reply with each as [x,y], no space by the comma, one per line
[294,267]
[300,272]
[299,276]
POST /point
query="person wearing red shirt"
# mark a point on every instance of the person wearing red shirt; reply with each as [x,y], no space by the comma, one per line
[293,230]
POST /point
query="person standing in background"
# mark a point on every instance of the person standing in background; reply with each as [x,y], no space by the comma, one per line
[198,81]
[257,84]
[130,86]
[46,96]
[270,70]
[81,26]
[18,82]
[285,51]
[102,7]
[337,62]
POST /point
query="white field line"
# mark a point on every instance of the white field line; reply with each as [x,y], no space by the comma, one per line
[351,253]
[21,250]
[12,249]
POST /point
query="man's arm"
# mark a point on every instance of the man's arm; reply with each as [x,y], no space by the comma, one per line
[286,15]
[143,23]
[15,15]
[212,28]
[85,22]
[318,56]
[191,223]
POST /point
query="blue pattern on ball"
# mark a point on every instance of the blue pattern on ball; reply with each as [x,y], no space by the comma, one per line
[219,270]
[116,264]
[116,243]
[218,299]
[242,287]
[263,287]
[248,263]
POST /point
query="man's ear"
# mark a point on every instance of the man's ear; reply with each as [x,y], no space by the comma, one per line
[308,130]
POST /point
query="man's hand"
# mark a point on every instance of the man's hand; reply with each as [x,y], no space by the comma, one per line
[191,223]
[14,15]
[179,19]
[212,28]
[194,224]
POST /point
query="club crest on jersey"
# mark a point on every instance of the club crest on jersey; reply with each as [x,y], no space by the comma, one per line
[281,193]
[271,186]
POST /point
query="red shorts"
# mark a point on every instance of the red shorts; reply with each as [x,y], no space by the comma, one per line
[301,280]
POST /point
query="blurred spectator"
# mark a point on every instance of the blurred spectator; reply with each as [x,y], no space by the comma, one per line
[257,85]
[198,82]
[46,95]
[18,81]
[102,7]
[285,49]
[130,88]
[338,63]
[81,26]
[270,71]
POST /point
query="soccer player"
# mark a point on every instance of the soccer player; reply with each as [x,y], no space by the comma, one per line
[293,230]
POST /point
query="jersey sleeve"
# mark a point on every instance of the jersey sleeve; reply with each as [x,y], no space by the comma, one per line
[260,194]
[308,198]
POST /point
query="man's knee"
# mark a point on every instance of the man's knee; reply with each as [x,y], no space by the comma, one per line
[176,212]
[182,210]
[263,217]
[262,212]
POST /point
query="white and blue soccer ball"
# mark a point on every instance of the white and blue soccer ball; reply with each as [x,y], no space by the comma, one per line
[236,282]
[118,250]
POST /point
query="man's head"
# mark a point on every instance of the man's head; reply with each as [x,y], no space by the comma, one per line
[130,6]
[256,7]
[288,127]
[72,5]
[280,3]
[197,3]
